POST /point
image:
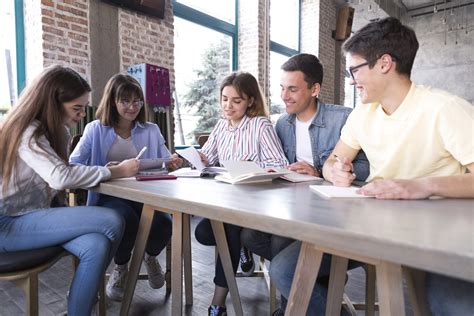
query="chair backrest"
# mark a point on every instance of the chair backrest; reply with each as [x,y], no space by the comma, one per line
[73,142]
[202,139]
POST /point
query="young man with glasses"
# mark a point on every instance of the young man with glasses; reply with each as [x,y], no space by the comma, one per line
[308,133]
[418,141]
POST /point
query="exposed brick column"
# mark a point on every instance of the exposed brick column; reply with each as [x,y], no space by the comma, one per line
[253,47]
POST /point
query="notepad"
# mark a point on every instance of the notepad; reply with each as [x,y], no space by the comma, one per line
[333,192]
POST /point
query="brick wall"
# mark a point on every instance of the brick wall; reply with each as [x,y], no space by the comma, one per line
[65,34]
[146,39]
[253,43]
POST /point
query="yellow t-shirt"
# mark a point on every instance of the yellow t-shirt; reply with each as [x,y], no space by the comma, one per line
[430,134]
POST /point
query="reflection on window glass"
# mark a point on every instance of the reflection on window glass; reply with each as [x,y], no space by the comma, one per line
[7,56]
[202,60]
[220,9]
[284,22]
[277,107]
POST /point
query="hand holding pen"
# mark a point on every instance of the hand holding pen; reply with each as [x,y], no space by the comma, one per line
[342,172]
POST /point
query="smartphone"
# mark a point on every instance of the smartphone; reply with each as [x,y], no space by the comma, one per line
[155,177]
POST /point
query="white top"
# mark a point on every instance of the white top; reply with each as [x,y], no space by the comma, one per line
[429,135]
[303,141]
[39,171]
[122,149]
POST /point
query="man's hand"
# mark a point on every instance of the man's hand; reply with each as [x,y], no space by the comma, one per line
[175,162]
[397,189]
[304,168]
[341,173]
[126,168]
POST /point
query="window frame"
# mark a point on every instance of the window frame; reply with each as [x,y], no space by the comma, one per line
[20,46]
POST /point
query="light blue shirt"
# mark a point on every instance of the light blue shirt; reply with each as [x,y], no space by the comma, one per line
[97,139]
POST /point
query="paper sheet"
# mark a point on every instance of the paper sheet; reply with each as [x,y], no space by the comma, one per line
[331,191]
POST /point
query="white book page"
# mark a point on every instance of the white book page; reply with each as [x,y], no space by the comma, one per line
[192,155]
[331,191]
[300,177]
[237,168]
[186,173]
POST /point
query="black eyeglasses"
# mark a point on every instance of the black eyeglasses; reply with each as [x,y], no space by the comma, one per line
[349,73]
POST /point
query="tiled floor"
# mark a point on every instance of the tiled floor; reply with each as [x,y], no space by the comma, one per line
[54,284]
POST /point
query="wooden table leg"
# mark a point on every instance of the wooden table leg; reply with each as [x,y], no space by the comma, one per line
[390,289]
[337,279]
[306,272]
[137,257]
[188,276]
[177,264]
[223,249]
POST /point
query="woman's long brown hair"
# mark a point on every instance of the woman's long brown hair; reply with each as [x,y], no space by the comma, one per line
[42,100]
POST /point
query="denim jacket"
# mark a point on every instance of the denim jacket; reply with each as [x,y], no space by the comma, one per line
[324,133]
[97,139]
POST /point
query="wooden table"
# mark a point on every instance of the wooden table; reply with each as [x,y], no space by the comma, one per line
[432,235]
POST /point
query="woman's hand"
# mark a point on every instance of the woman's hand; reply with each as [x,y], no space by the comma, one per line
[126,168]
[175,162]
[204,159]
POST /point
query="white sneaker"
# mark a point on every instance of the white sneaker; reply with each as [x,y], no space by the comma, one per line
[156,277]
[116,284]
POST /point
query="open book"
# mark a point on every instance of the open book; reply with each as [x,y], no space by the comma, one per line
[300,177]
[192,155]
[248,172]
[332,192]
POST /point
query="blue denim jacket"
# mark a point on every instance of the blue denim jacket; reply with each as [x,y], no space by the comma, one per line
[324,133]
[97,139]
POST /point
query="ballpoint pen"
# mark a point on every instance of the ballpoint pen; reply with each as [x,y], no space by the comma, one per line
[141,153]
[339,160]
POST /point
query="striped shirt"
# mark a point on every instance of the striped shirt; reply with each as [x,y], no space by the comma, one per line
[253,139]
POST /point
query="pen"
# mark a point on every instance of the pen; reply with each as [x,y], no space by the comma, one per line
[339,160]
[141,153]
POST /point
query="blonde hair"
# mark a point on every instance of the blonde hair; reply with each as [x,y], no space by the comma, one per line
[119,87]
[42,100]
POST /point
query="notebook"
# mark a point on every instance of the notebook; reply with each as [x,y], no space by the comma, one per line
[240,172]
[333,192]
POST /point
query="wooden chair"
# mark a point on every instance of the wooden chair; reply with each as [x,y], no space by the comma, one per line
[202,139]
[23,268]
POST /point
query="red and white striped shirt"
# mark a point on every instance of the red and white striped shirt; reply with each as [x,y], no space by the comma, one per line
[253,139]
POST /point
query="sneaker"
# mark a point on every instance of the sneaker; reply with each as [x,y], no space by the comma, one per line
[216,310]
[278,312]
[156,277]
[246,262]
[116,284]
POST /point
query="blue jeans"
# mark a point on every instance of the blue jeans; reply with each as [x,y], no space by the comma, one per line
[205,236]
[282,270]
[160,233]
[449,296]
[90,233]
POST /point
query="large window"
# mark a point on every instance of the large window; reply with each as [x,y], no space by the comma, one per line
[204,53]
[284,42]
[8,77]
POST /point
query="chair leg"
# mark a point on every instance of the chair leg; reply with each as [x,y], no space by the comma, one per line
[168,268]
[415,280]
[102,304]
[29,285]
[337,279]
[272,297]
[369,290]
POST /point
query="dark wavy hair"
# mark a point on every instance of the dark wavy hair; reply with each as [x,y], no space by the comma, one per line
[385,36]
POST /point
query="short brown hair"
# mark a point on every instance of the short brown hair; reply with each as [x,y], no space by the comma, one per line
[119,87]
[245,83]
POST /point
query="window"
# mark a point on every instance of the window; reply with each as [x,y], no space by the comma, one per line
[284,42]
[221,9]
[8,58]
[204,53]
